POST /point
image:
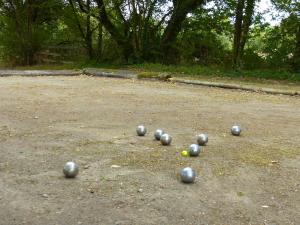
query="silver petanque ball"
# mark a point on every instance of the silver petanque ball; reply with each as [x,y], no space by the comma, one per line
[202,139]
[141,130]
[236,130]
[165,139]
[187,175]
[158,133]
[71,169]
[194,150]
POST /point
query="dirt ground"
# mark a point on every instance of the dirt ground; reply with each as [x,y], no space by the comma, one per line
[47,121]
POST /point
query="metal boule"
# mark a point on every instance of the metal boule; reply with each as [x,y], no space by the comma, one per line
[71,169]
[194,150]
[166,139]
[236,130]
[202,139]
[141,130]
[158,133]
[187,175]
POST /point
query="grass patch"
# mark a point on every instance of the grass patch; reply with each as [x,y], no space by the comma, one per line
[156,160]
[151,70]
[240,194]
[261,157]
[205,71]
[45,67]
[223,169]
[87,147]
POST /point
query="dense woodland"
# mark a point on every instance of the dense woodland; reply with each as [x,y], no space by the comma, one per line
[228,33]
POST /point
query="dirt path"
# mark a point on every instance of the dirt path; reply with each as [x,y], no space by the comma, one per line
[46,121]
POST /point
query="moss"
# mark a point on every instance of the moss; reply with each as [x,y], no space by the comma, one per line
[87,142]
[240,194]
[264,157]
[254,158]
[5,167]
[223,170]
[155,160]
[210,71]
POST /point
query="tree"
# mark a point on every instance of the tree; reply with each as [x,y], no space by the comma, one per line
[84,25]
[297,50]
[179,13]
[292,8]
[205,36]
[139,27]
[243,19]
[27,25]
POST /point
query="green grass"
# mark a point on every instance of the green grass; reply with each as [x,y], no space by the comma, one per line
[205,71]
[240,194]
[263,157]
[74,65]
[192,71]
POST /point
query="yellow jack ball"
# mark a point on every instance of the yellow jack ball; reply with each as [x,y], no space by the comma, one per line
[185,153]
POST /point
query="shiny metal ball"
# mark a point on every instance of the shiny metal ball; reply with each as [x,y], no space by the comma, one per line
[236,130]
[165,139]
[202,139]
[141,130]
[71,169]
[158,133]
[187,175]
[194,150]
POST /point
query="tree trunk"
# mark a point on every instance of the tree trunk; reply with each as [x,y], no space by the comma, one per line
[124,35]
[181,9]
[243,20]
[85,31]
[89,34]
[247,20]
[122,39]
[296,60]
[238,33]
[29,54]
[100,42]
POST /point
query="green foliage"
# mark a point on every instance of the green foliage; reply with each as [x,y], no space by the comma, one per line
[26,28]
[279,42]
[135,32]
[252,60]
[204,39]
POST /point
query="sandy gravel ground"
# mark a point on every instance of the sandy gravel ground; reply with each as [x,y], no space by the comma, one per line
[46,121]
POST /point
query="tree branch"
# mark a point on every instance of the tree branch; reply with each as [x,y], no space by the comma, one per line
[77,20]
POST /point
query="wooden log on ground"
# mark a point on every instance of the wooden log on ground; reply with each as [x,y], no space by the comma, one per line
[110,73]
[31,73]
[236,86]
